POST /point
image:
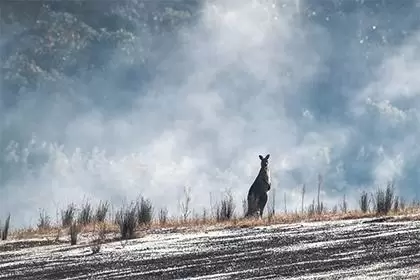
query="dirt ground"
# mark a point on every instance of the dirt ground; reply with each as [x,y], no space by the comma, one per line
[355,249]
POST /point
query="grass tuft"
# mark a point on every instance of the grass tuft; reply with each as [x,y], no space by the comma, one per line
[85,215]
[144,211]
[44,220]
[225,210]
[163,216]
[384,199]
[74,230]
[344,205]
[5,230]
[102,211]
[364,202]
[67,216]
[127,222]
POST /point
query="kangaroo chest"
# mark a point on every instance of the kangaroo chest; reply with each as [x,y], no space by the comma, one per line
[263,178]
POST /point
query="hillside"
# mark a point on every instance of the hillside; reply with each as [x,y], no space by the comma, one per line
[352,249]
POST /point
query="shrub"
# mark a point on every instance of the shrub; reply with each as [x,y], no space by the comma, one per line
[144,212]
[126,220]
[204,216]
[384,199]
[312,208]
[163,216]
[44,220]
[101,211]
[85,215]
[343,205]
[73,232]
[225,209]
[67,216]
[364,202]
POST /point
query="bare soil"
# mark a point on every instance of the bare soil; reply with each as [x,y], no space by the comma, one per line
[355,249]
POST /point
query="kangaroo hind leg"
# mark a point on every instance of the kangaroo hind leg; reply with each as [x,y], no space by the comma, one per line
[261,203]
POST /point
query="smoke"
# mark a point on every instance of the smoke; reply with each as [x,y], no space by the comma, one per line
[249,78]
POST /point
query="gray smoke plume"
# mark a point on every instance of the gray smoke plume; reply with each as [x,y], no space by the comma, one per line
[325,90]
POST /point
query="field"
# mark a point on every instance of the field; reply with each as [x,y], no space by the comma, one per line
[366,248]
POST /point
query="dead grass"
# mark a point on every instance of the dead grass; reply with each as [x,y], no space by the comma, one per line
[197,224]
[54,231]
[27,233]
[289,218]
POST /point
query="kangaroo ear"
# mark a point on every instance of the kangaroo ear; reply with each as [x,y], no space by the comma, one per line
[268,155]
[261,157]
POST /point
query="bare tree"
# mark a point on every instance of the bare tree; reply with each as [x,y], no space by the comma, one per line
[244,206]
[318,204]
[44,220]
[343,205]
[204,216]
[163,216]
[272,209]
[303,197]
[185,204]
[285,203]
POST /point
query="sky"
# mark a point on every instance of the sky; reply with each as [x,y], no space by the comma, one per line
[324,88]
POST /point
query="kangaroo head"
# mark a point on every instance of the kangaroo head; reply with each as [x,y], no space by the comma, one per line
[264,160]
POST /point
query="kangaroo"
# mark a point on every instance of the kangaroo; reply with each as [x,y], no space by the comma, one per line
[257,194]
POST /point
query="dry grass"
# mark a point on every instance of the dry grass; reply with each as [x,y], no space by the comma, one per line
[198,224]
[27,233]
[54,231]
[74,232]
[288,218]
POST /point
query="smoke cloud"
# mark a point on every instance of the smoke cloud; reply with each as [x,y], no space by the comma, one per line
[330,92]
